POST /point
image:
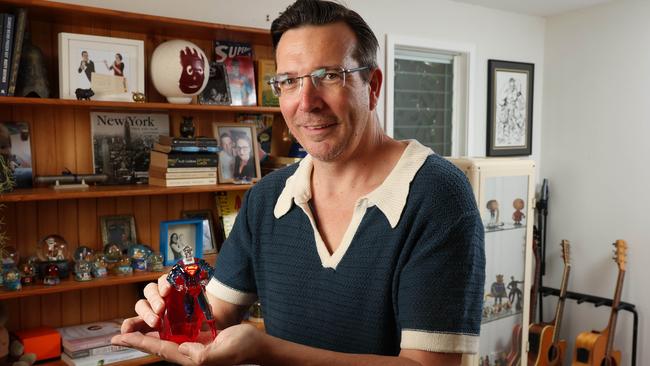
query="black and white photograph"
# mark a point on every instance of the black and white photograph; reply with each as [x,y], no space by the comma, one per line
[15,148]
[217,91]
[177,235]
[209,238]
[122,144]
[100,68]
[239,160]
[510,108]
[118,230]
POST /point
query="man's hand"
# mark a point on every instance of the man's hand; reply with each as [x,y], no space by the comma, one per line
[151,310]
[233,346]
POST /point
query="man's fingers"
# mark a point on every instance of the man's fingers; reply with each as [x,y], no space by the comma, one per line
[143,309]
[155,346]
[135,324]
[152,293]
[163,286]
[195,351]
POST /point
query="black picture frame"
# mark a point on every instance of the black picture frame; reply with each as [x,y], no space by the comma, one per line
[209,238]
[510,108]
[217,90]
[118,229]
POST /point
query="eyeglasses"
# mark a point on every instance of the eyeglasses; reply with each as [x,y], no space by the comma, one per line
[328,78]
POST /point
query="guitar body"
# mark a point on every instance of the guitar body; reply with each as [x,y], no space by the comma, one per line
[514,357]
[542,350]
[590,350]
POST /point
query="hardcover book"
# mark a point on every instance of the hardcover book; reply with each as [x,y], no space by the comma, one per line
[183,160]
[16,149]
[228,205]
[5,55]
[21,20]
[87,336]
[122,144]
[266,71]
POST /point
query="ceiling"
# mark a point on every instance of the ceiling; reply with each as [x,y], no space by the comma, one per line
[542,8]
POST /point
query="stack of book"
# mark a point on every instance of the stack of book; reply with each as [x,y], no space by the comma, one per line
[181,161]
[90,344]
[12,31]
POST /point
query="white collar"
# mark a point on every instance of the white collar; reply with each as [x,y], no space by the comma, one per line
[390,197]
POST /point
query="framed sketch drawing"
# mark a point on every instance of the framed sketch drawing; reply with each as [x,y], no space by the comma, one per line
[510,108]
[239,160]
[112,68]
[118,230]
[179,236]
[209,239]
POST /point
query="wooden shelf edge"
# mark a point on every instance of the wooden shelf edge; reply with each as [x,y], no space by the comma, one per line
[72,285]
[49,194]
[94,104]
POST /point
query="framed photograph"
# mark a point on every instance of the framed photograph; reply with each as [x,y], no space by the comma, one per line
[510,108]
[177,235]
[217,91]
[118,230]
[239,160]
[209,238]
[112,68]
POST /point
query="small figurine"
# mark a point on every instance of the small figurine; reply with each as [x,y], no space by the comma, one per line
[84,94]
[112,255]
[187,127]
[187,307]
[156,262]
[51,275]
[493,207]
[498,290]
[515,293]
[10,257]
[99,266]
[517,216]
[11,279]
[53,249]
[138,97]
[82,271]
[139,255]
[123,267]
[82,253]
[27,273]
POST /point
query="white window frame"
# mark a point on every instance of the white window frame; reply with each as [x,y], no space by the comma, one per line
[464,75]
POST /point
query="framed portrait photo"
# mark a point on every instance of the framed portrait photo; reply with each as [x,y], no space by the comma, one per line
[209,238]
[111,67]
[510,108]
[118,230]
[217,91]
[239,160]
[178,237]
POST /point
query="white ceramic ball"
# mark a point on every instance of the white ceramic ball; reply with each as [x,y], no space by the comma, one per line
[179,70]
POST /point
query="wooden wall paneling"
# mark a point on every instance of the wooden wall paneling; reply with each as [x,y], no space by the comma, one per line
[83,141]
[109,302]
[261,51]
[48,219]
[12,306]
[128,296]
[141,212]
[44,141]
[64,127]
[30,312]
[71,308]
[89,223]
[158,214]
[68,223]
[174,206]
[9,222]
[27,236]
[51,310]
[124,205]
[190,201]
[91,305]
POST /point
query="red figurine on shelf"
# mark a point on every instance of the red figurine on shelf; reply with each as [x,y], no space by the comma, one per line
[187,307]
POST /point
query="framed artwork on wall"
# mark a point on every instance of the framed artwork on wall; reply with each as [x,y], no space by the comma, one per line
[510,108]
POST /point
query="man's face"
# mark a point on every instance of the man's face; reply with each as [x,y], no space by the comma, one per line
[328,124]
[226,144]
[84,56]
[243,149]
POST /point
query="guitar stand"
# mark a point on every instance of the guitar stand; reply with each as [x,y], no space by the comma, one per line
[601,301]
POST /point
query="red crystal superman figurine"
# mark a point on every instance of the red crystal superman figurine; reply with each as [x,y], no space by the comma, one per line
[187,306]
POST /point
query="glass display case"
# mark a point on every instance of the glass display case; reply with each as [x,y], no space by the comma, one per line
[504,191]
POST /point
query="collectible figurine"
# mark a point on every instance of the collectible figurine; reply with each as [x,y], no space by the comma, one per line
[498,290]
[187,307]
[112,255]
[53,249]
[11,279]
[123,267]
[51,275]
[27,273]
[82,253]
[138,97]
[493,207]
[517,216]
[99,266]
[515,293]
[10,257]
[187,127]
[82,270]
[83,94]
[139,255]
[156,262]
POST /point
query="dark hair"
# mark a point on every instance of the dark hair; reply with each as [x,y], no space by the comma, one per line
[119,55]
[321,12]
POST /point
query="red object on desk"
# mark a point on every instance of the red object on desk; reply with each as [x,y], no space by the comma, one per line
[44,342]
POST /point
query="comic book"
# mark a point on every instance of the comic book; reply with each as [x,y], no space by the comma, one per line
[227,50]
[237,57]
[265,71]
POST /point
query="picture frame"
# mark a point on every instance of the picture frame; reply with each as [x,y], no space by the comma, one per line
[209,239]
[113,68]
[175,235]
[217,91]
[118,229]
[229,136]
[510,108]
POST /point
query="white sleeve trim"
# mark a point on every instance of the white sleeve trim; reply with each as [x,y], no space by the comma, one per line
[229,294]
[439,342]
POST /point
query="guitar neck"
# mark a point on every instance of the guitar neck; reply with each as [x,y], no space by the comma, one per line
[559,311]
[611,326]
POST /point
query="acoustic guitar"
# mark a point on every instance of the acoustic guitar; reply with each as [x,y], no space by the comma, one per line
[546,348]
[538,272]
[596,348]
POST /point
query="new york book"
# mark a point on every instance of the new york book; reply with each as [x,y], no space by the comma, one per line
[122,144]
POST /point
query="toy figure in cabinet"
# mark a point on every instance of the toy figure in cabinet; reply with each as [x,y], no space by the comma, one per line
[514,296]
[517,216]
[498,290]
[493,207]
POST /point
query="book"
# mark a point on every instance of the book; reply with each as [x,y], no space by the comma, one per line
[161,170]
[154,173]
[224,50]
[15,146]
[21,21]
[228,205]
[86,336]
[183,160]
[122,144]
[187,141]
[5,55]
[103,350]
[104,359]
[241,80]
[260,120]
[180,182]
[266,71]
[186,149]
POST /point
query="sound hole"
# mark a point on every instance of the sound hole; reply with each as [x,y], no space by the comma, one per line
[552,353]
[582,355]
[609,362]
[533,341]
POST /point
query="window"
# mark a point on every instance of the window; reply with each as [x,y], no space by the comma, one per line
[427,93]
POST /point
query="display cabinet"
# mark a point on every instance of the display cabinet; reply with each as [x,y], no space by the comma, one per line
[504,191]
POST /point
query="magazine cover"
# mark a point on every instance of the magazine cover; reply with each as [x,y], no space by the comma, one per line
[241,78]
[224,50]
[265,71]
[122,144]
[16,149]
[217,90]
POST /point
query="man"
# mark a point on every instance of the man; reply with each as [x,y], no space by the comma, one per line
[86,66]
[226,156]
[370,252]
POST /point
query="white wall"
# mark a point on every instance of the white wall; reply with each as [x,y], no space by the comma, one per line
[496,34]
[595,150]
